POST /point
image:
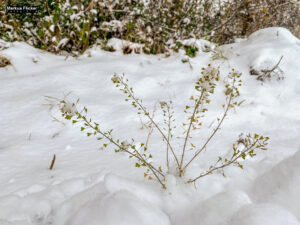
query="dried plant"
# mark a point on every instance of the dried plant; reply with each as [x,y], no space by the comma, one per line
[204,89]
[264,74]
[4,61]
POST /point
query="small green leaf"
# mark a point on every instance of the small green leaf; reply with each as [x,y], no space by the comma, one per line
[68,117]
[55,17]
[40,32]
[159,169]
[243,155]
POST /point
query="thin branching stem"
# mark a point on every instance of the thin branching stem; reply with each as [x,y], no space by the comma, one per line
[225,164]
[138,156]
[169,134]
[120,147]
[149,127]
[152,169]
[212,135]
[189,129]
[152,121]
[267,73]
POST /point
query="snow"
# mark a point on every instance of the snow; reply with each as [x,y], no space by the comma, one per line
[280,185]
[201,45]
[263,214]
[121,207]
[215,210]
[63,42]
[95,186]
[52,28]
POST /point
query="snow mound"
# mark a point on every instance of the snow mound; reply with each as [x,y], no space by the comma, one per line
[120,208]
[115,200]
[273,34]
[280,185]
[69,208]
[2,222]
[215,210]
[21,210]
[263,49]
[263,214]
[146,193]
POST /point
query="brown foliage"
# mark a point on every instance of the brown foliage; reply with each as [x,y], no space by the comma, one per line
[244,17]
[4,61]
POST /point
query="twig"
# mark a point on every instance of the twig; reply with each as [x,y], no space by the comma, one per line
[90,6]
[148,137]
[286,3]
[224,165]
[189,130]
[228,20]
[152,121]
[86,43]
[138,156]
[169,135]
[267,73]
[52,163]
[212,135]
[271,70]
[150,129]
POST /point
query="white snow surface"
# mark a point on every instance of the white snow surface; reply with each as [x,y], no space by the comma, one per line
[95,186]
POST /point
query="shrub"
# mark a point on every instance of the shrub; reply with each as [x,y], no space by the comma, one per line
[204,88]
[240,18]
[73,26]
[191,51]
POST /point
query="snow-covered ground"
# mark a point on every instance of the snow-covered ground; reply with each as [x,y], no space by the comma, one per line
[94,186]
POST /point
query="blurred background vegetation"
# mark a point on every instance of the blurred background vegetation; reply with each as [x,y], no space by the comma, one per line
[158,25]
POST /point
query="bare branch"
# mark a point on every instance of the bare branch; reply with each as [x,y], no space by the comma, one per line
[267,73]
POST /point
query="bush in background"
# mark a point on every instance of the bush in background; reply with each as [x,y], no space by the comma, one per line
[243,17]
[75,25]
